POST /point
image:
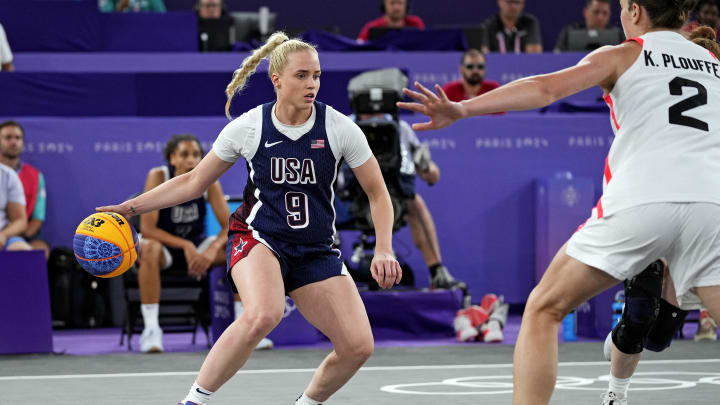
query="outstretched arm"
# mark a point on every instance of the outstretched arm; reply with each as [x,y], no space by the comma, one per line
[175,191]
[600,68]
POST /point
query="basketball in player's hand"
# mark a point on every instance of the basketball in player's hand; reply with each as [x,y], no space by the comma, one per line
[105,244]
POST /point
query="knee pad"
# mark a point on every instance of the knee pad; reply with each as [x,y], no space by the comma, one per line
[630,334]
[648,283]
[669,321]
[642,306]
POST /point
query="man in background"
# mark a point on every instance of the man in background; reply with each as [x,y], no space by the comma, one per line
[597,15]
[215,26]
[12,137]
[512,30]
[472,78]
[395,15]
[209,9]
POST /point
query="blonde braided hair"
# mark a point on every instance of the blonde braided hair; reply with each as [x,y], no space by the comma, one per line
[276,49]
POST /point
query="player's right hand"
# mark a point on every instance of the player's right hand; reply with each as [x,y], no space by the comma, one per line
[438,107]
[385,270]
[122,209]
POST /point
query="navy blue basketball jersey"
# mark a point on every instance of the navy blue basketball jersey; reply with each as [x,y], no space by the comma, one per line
[186,220]
[290,185]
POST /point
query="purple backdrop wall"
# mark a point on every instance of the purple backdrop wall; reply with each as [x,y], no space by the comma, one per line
[483,205]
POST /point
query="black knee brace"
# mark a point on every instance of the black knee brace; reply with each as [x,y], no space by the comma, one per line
[668,323]
[642,306]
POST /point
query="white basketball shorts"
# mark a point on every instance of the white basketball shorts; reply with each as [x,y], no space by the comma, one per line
[623,244]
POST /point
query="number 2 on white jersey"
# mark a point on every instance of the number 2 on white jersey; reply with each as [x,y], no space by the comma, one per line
[698,100]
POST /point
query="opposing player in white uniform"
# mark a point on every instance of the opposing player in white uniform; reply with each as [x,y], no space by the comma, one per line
[662,190]
[280,238]
[650,318]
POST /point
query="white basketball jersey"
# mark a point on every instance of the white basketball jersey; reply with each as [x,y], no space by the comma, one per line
[665,112]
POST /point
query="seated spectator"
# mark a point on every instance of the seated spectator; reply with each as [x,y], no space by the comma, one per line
[472,78]
[173,239]
[214,26]
[12,143]
[395,15]
[210,9]
[12,211]
[707,13]
[597,15]
[512,30]
[6,56]
[108,6]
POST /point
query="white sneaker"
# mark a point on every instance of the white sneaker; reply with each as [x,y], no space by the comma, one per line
[467,334]
[492,332]
[611,398]
[607,347]
[706,327]
[151,340]
[265,344]
[464,331]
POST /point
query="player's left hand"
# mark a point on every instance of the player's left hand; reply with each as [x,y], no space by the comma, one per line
[442,112]
[385,269]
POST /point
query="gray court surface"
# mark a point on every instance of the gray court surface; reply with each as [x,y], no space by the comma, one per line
[689,373]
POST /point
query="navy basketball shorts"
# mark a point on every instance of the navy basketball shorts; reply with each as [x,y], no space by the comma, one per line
[407,185]
[300,264]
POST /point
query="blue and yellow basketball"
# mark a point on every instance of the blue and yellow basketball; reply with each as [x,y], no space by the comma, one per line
[106,244]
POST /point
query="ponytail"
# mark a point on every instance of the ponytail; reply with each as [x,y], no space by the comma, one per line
[706,37]
[248,67]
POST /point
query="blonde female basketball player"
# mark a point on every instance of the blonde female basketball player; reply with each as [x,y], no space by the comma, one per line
[280,238]
[661,194]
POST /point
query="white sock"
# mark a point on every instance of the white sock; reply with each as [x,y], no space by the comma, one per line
[198,395]
[150,315]
[238,309]
[305,400]
[619,385]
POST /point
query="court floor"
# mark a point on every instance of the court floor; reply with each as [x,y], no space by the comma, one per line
[472,374]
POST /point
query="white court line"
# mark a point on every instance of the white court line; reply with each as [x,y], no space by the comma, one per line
[310,370]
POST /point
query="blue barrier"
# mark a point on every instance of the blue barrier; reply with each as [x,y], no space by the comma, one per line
[562,203]
[78,26]
[182,84]
[25,303]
